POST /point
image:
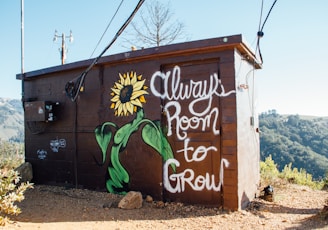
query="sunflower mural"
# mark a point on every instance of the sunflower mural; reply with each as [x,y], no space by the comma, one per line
[128,96]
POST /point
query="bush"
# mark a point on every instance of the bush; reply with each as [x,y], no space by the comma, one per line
[268,170]
[301,177]
[270,174]
[10,192]
[11,154]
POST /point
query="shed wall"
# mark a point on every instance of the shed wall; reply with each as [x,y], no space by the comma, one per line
[98,143]
[248,148]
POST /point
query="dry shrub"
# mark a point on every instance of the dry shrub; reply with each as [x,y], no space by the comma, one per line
[11,191]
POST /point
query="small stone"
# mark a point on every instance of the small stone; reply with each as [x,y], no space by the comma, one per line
[149,199]
[25,172]
[131,200]
[188,209]
[160,204]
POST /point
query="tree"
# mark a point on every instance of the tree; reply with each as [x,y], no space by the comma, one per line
[156,27]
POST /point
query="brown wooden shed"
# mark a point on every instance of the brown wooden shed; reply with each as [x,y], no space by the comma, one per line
[176,122]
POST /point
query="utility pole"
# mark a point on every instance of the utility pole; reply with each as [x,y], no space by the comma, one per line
[22,36]
[63,49]
[22,50]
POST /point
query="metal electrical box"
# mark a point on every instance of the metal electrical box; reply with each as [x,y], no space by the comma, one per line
[39,111]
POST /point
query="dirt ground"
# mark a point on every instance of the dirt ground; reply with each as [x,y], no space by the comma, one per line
[50,207]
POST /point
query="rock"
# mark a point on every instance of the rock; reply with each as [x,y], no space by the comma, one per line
[149,199]
[160,204]
[131,200]
[25,172]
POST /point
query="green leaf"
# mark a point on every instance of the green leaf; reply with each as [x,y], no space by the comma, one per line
[153,136]
[123,134]
[118,175]
[103,135]
[121,174]
[113,189]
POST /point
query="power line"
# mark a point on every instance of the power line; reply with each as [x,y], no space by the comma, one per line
[73,87]
[110,22]
[260,33]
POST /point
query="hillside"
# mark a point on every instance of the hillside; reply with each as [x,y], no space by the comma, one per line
[300,140]
[11,120]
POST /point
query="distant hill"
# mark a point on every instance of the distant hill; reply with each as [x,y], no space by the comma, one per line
[11,120]
[296,139]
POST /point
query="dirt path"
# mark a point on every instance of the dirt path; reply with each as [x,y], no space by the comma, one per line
[48,207]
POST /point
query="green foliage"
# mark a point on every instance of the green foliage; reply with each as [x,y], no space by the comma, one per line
[300,140]
[268,169]
[270,173]
[300,177]
[10,192]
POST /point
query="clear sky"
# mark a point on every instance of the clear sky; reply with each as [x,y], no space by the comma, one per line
[294,78]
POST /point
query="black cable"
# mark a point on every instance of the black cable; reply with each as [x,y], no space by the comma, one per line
[70,88]
[110,22]
[260,33]
[268,15]
[261,16]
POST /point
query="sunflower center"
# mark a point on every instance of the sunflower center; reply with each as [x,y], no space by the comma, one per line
[126,93]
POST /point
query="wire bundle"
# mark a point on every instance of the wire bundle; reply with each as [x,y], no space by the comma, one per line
[260,33]
[73,87]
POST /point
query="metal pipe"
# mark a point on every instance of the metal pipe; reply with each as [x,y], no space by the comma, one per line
[22,50]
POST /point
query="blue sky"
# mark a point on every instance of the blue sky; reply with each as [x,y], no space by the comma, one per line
[294,77]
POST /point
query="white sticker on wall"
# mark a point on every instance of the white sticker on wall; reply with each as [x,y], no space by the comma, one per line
[42,154]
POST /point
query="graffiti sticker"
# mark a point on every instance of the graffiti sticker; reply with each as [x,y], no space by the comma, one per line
[56,144]
[42,154]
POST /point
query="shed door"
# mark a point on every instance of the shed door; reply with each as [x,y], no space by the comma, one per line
[191,116]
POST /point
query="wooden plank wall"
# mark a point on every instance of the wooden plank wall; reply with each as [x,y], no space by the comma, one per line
[77,158]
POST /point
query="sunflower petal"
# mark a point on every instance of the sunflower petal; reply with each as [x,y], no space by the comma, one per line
[127,81]
[118,85]
[116,91]
[121,79]
[136,102]
[138,93]
[129,107]
[117,104]
[138,85]
[142,99]
[125,111]
[116,98]
[119,110]
[134,78]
